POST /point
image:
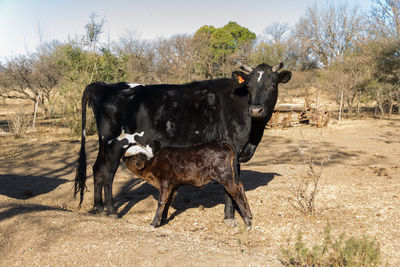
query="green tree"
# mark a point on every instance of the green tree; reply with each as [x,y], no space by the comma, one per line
[225,41]
[385,58]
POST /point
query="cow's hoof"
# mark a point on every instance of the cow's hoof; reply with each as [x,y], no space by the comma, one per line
[97,211]
[230,222]
[112,215]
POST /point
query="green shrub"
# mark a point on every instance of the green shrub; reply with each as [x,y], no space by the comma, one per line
[341,252]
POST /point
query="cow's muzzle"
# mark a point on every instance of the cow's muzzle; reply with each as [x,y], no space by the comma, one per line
[257,111]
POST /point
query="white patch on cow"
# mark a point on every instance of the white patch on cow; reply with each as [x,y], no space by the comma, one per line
[170,127]
[83,133]
[197,132]
[129,137]
[133,85]
[211,99]
[259,77]
[137,149]
[133,147]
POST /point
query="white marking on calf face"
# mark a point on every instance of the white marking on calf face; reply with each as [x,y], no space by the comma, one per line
[259,77]
[137,149]
[133,85]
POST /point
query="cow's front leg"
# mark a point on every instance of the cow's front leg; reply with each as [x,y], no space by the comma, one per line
[229,210]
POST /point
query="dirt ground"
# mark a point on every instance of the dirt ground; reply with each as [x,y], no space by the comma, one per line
[41,224]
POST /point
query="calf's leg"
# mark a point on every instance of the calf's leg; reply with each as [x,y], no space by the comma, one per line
[229,208]
[237,193]
[164,199]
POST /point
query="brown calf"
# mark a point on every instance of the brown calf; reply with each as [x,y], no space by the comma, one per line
[196,165]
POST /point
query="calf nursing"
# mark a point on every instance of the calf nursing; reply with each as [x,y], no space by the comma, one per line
[195,165]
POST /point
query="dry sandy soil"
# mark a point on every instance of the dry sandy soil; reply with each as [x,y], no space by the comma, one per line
[41,224]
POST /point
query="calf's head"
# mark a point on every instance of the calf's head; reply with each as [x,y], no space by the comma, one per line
[262,85]
[137,162]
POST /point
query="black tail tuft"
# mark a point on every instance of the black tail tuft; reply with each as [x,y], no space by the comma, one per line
[80,176]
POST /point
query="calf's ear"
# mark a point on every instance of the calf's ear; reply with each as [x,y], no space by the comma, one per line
[239,77]
[284,76]
[140,164]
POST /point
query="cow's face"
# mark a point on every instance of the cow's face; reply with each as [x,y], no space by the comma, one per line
[262,84]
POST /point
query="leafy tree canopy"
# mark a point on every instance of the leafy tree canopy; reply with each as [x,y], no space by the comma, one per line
[225,40]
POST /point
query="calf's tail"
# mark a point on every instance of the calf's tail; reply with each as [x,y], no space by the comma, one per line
[80,176]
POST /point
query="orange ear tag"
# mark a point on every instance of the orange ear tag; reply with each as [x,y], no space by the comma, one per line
[240,79]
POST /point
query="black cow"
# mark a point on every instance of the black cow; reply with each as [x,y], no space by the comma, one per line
[233,109]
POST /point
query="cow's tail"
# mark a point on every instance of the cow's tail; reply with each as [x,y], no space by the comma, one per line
[80,176]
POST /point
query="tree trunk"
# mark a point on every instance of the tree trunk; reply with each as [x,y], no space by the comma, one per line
[381,107]
[349,106]
[35,112]
[340,106]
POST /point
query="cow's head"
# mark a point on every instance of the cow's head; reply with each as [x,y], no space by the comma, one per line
[262,85]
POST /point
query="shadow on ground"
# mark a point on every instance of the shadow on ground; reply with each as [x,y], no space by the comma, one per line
[11,210]
[293,152]
[27,186]
[188,197]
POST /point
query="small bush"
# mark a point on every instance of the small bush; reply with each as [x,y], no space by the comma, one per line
[341,252]
[304,185]
[18,124]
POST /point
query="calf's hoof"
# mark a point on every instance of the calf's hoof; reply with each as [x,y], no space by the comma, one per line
[155,223]
[247,222]
[230,222]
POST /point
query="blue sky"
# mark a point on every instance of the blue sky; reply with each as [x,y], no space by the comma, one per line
[20,20]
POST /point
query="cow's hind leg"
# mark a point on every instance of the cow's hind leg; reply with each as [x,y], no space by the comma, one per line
[98,206]
[104,170]
[113,154]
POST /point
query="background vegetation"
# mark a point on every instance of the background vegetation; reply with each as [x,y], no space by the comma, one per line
[336,49]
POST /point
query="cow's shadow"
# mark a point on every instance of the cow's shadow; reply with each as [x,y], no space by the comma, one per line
[188,197]
[27,186]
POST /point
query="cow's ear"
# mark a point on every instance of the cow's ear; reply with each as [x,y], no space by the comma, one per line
[284,76]
[239,77]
